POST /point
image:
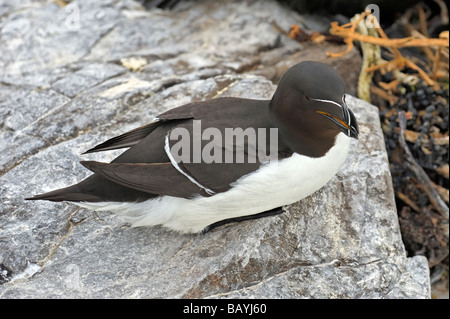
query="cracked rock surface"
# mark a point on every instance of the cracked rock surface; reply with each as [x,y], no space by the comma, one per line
[73,77]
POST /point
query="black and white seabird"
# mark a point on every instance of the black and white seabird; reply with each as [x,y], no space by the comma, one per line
[147,185]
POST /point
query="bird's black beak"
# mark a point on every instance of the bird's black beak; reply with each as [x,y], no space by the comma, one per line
[349,118]
[346,122]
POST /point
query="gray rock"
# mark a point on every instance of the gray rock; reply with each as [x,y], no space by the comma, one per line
[69,84]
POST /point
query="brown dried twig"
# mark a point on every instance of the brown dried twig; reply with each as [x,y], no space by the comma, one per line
[349,33]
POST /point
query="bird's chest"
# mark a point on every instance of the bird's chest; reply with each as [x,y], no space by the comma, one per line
[298,176]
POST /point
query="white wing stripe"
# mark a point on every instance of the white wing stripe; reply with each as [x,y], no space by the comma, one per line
[175,164]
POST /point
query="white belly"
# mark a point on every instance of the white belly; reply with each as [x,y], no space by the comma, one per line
[274,185]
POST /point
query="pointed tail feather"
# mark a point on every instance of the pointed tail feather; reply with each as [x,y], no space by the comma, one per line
[65,194]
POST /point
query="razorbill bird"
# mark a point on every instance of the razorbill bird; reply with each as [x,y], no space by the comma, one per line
[204,163]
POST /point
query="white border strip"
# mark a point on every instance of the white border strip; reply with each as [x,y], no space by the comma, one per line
[327,101]
[175,164]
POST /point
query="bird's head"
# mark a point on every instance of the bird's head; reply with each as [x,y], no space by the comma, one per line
[319,91]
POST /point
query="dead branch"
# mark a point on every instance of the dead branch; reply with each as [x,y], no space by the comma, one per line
[347,33]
